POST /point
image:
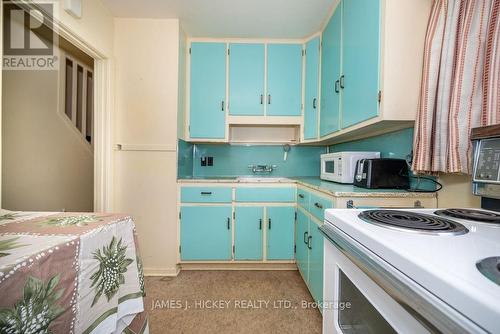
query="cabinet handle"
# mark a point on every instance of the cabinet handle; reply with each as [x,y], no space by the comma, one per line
[337,86]
[305,237]
[269,99]
[228,223]
[319,206]
[222,106]
[206,193]
[342,82]
[309,242]
[301,196]
[260,224]
[261,99]
[269,223]
[314,103]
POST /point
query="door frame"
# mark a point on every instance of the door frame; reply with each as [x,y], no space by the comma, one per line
[103,106]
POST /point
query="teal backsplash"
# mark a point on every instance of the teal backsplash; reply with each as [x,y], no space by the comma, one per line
[184,159]
[391,145]
[398,145]
[233,160]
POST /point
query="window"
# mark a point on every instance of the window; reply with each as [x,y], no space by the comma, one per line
[79,96]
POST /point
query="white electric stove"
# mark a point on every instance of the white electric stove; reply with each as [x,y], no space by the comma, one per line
[442,270]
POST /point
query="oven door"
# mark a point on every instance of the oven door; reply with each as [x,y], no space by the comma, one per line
[356,304]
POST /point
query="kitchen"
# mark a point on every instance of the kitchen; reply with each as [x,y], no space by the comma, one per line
[294,166]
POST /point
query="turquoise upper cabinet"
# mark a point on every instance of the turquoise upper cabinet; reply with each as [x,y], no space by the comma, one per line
[302,254]
[312,89]
[206,233]
[248,233]
[330,74]
[361,54]
[284,80]
[280,233]
[246,79]
[207,118]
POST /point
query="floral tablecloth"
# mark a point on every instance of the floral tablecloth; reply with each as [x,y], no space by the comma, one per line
[70,273]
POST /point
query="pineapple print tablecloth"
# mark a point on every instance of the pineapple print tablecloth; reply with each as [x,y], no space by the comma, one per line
[70,273]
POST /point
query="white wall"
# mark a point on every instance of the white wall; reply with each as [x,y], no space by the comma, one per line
[457,192]
[146,104]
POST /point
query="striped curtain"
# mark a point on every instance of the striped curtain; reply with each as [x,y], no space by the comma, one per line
[460,86]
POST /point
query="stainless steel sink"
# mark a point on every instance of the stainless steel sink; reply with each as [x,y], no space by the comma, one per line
[251,179]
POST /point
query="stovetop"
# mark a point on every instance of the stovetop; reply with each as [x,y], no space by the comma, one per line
[446,264]
[413,222]
[482,216]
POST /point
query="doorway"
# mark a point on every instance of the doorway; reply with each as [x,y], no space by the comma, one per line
[48,133]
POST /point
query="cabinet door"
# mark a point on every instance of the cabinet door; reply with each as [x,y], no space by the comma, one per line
[208,91]
[330,74]
[316,262]
[248,233]
[302,254]
[206,233]
[284,80]
[312,89]
[246,79]
[361,48]
[280,233]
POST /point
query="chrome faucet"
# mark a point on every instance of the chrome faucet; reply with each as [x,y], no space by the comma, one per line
[262,168]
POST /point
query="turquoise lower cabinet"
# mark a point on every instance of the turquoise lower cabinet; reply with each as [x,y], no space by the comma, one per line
[361,59]
[309,242]
[206,233]
[302,254]
[311,109]
[284,80]
[248,226]
[280,233]
[263,194]
[206,194]
[303,197]
[207,118]
[315,245]
[246,79]
[330,74]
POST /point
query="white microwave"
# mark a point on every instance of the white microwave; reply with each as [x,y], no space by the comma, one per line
[341,166]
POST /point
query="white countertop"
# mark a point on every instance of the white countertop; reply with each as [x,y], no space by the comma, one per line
[330,188]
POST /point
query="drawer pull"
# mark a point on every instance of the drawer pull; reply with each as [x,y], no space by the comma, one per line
[206,193]
[269,226]
[305,237]
[301,196]
[228,223]
[319,206]
[309,242]
[260,224]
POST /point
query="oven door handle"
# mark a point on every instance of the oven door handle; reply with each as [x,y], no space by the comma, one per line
[428,309]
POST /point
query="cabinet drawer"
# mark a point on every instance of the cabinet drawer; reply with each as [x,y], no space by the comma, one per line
[267,195]
[303,198]
[206,195]
[318,206]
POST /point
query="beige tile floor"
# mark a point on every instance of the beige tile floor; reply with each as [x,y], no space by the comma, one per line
[227,292]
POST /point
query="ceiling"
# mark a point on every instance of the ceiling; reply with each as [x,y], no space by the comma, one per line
[232,18]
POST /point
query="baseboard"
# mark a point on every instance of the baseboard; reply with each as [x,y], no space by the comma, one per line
[238,266]
[162,272]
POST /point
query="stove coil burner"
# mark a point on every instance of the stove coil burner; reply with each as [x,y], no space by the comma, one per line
[476,215]
[413,222]
[490,268]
